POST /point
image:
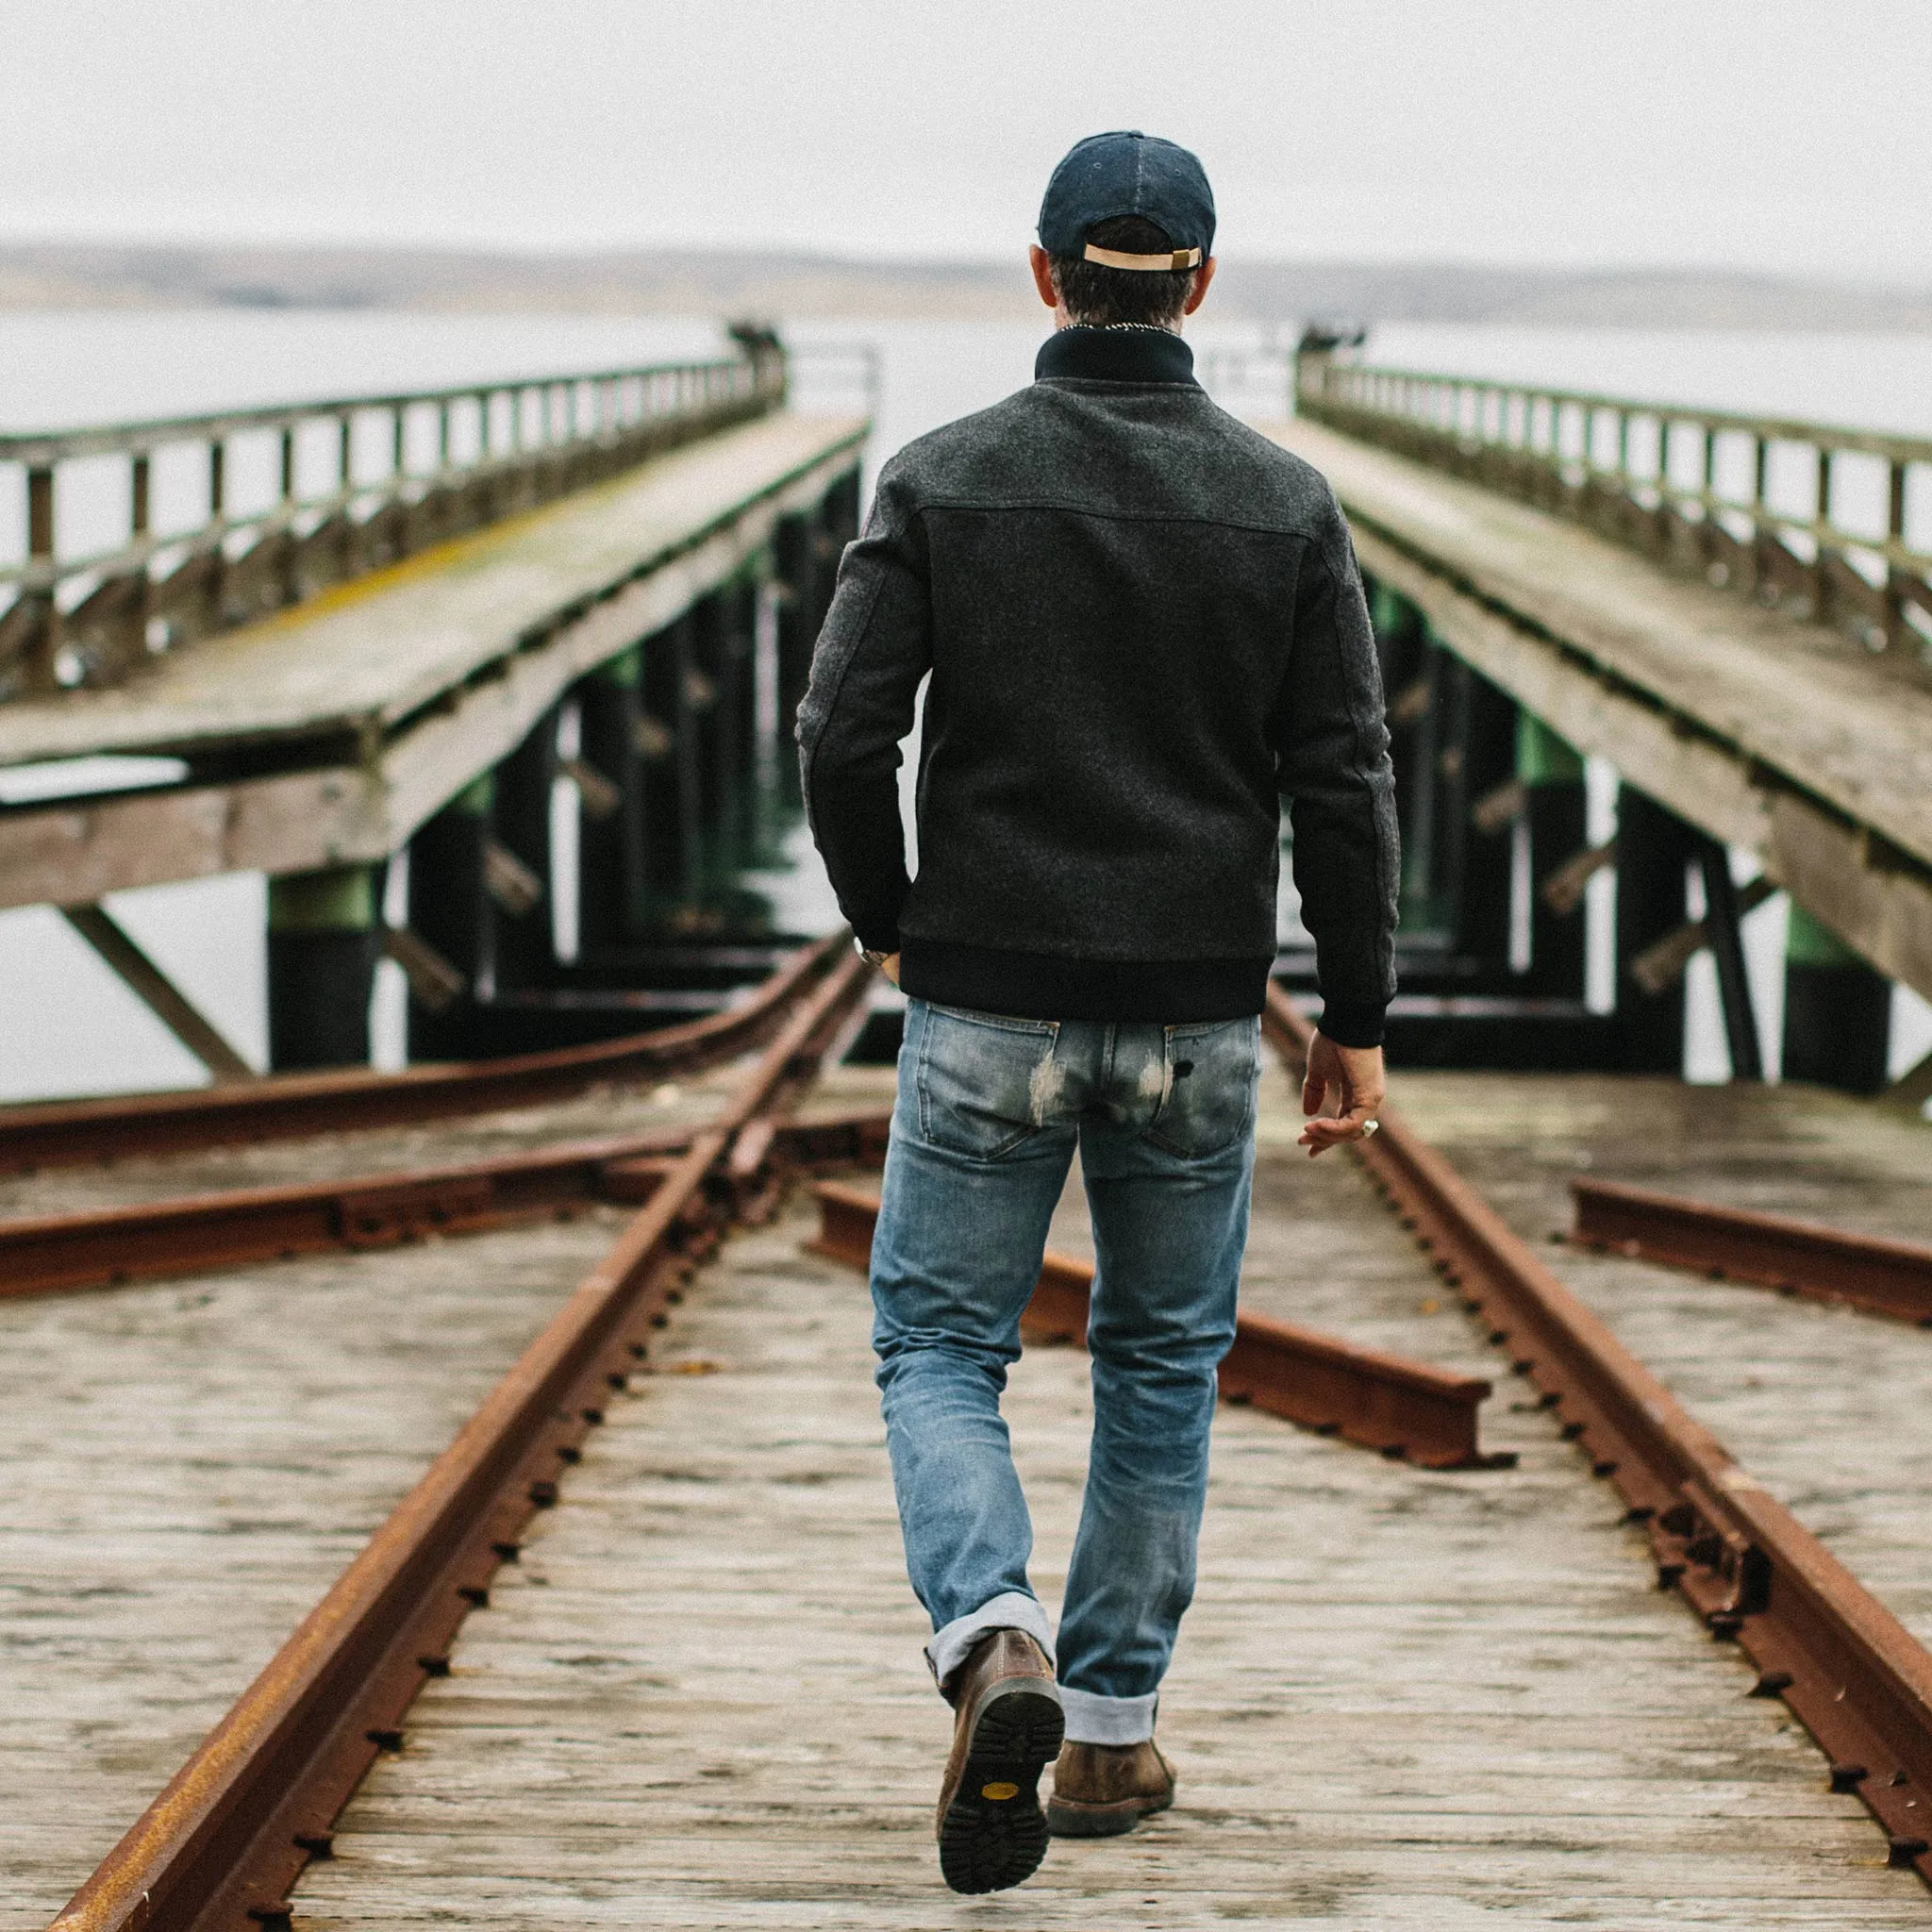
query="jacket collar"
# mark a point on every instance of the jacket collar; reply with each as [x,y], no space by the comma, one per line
[1115,355]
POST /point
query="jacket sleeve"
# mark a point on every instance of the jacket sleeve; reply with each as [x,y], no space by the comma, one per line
[1332,742]
[875,647]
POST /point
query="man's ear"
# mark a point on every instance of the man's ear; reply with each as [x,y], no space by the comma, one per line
[1198,294]
[1041,263]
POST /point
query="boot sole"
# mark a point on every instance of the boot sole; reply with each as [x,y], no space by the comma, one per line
[989,1842]
[1071,1819]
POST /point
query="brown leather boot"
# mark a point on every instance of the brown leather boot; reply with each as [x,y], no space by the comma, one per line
[1101,1790]
[990,1831]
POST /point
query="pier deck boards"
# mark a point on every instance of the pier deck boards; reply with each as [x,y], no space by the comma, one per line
[348,720]
[1778,736]
[1401,1698]
[1800,698]
[376,650]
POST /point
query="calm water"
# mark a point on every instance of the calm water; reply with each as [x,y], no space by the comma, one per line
[68,1026]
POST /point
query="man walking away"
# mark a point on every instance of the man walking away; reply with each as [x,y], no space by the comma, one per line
[1144,625]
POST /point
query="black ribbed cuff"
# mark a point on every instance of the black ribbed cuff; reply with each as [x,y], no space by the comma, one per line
[1354,1023]
[877,937]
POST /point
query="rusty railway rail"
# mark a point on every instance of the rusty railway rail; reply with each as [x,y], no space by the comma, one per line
[190,1235]
[1851,1672]
[1802,1258]
[1407,1410]
[294,1105]
[226,1841]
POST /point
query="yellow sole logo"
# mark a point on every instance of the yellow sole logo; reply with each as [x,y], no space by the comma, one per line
[999,1793]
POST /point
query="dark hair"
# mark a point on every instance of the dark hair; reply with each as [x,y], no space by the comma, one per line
[1098,295]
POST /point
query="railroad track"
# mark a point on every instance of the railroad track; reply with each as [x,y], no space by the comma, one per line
[1855,1677]
[299,1106]
[225,1841]
[1776,1251]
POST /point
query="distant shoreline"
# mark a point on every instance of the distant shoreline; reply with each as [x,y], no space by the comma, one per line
[805,288]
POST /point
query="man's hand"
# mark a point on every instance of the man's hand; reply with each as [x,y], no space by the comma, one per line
[889,967]
[1345,1087]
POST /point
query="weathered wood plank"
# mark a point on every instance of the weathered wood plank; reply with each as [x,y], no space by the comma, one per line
[676,1106]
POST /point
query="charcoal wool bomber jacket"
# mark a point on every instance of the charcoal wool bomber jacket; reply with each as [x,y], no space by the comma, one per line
[1144,627]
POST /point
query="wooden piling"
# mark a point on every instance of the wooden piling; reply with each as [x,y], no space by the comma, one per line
[451,910]
[521,830]
[1653,848]
[1838,1012]
[610,876]
[322,942]
[1551,775]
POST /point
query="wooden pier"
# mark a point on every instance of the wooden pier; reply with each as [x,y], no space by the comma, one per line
[358,664]
[459,1494]
[1750,648]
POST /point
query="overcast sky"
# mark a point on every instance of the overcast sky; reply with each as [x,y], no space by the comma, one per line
[1780,134]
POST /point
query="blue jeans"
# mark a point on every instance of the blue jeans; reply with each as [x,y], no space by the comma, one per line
[990,1110]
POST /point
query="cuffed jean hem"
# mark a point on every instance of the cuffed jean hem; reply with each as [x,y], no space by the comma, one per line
[1012,1611]
[1095,1719]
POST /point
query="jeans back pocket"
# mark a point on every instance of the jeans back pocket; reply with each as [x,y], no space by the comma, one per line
[1212,1070]
[986,1083]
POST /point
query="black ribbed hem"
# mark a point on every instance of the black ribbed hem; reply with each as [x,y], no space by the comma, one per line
[1038,986]
[1354,1023]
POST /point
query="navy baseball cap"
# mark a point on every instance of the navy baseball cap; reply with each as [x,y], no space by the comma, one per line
[1130,174]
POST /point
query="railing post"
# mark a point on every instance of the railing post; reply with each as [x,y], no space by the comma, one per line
[1824,603]
[1707,508]
[39,513]
[1660,519]
[286,560]
[1895,625]
[1760,537]
[346,544]
[139,495]
[42,641]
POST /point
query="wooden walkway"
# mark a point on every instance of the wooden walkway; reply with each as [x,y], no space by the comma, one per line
[367,708]
[1785,737]
[1403,1699]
